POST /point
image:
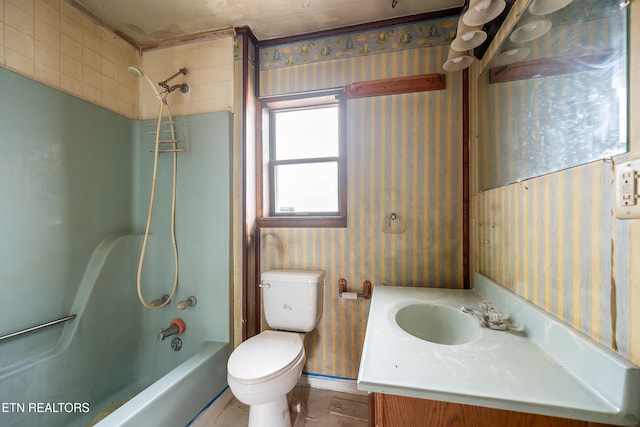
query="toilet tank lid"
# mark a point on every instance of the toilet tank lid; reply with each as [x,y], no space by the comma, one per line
[297,276]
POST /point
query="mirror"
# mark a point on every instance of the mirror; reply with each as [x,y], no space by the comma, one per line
[554,95]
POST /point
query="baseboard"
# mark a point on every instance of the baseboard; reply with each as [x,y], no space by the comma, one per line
[324,382]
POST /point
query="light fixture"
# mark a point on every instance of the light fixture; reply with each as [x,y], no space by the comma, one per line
[544,7]
[482,11]
[467,37]
[512,52]
[457,61]
[529,29]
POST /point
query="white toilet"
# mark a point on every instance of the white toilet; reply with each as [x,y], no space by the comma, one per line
[263,369]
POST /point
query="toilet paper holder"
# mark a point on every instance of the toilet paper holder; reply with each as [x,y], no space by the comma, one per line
[342,290]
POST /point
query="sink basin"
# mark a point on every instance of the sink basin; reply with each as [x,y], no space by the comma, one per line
[438,324]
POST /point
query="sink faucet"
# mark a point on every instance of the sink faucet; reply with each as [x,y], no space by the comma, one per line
[490,317]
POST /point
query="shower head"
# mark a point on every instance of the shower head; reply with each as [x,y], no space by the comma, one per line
[137,72]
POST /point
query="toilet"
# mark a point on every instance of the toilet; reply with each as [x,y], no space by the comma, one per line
[264,369]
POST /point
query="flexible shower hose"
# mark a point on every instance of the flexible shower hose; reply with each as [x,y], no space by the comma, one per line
[150,212]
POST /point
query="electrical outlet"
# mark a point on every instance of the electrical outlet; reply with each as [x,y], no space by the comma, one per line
[627,196]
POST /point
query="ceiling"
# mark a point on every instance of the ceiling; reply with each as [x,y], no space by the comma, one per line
[148,23]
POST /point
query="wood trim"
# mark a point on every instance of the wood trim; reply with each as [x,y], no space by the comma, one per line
[260,167]
[397,85]
[362,27]
[372,409]
[246,32]
[554,66]
[245,232]
[247,228]
[257,294]
[303,222]
[466,258]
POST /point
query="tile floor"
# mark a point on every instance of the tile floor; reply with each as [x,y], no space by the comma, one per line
[318,408]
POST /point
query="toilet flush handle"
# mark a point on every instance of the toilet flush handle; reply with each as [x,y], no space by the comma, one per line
[264,285]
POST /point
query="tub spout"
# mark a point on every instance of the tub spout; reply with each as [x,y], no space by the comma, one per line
[176,327]
[171,330]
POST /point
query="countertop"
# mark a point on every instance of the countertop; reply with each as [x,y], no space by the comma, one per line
[500,369]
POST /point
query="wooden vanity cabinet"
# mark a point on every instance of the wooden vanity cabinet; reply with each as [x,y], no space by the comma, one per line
[387,410]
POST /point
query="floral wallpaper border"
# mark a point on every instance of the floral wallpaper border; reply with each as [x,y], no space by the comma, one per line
[384,40]
[428,33]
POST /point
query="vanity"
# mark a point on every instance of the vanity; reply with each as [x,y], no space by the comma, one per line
[425,359]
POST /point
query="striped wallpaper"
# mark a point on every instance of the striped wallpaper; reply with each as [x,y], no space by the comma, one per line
[554,240]
[552,244]
[404,156]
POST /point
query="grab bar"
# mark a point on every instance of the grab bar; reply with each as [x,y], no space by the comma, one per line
[37,327]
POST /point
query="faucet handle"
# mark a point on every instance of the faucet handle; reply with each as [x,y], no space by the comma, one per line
[496,316]
[189,302]
[485,306]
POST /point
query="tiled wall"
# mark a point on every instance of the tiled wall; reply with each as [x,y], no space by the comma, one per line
[53,43]
[210,77]
[404,156]
[554,240]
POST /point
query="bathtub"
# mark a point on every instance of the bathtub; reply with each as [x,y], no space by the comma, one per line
[179,396]
[108,367]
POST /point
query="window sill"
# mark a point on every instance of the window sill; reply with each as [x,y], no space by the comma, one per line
[302,222]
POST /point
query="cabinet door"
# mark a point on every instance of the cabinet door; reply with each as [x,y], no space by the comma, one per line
[397,411]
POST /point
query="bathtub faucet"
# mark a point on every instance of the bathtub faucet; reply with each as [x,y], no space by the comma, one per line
[189,302]
[490,317]
[159,301]
[176,327]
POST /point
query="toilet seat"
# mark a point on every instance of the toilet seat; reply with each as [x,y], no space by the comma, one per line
[265,356]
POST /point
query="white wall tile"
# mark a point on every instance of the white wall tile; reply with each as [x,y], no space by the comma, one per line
[20,63]
[47,36]
[24,5]
[47,56]
[71,28]
[18,19]
[48,75]
[210,66]
[70,47]
[19,42]
[47,13]
[71,67]
[54,43]
[71,84]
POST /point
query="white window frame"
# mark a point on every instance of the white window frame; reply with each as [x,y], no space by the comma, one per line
[267,217]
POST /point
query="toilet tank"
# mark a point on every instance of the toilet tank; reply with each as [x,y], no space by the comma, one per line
[292,299]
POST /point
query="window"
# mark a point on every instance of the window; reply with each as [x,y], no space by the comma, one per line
[304,173]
